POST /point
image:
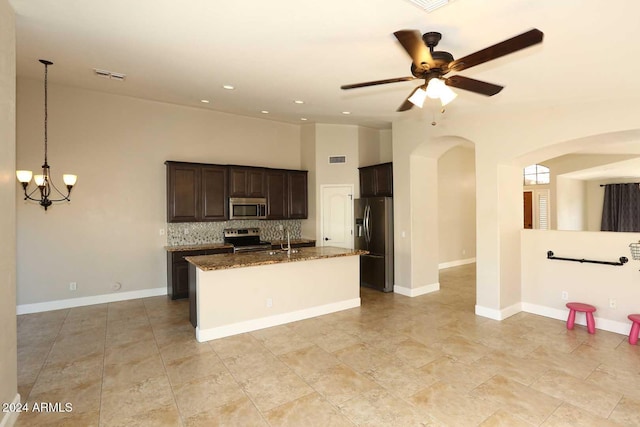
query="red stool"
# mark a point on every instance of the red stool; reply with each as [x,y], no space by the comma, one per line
[635,328]
[583,308]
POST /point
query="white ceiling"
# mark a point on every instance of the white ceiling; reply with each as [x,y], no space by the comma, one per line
[279,51]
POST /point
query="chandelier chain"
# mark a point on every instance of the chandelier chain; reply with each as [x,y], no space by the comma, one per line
[46,70]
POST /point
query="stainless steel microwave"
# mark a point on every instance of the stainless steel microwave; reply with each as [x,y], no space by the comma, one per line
[244,208]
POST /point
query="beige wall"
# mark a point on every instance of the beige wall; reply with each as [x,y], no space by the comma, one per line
[8,350]
[457,205]
[571,127]
[570,204]
[361,146]
[568,195]
[308,162]
[336,140]
[117,146]
[386,146]
[543,280]
[239,300]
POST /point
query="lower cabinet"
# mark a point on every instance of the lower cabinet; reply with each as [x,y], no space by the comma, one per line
[178,270]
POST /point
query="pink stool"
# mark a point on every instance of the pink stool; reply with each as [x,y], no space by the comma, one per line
[587,310]
[635,328]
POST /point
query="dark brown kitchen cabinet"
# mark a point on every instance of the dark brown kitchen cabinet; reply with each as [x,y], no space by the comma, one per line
[246,182]
[297,195]
[183,192]
[214,193]
[196,192]
[376,180]
[277,194]
[178,270]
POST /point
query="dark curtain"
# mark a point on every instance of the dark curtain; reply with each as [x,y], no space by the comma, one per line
[621,209]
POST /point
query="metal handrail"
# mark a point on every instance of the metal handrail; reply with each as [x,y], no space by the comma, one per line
[623,260]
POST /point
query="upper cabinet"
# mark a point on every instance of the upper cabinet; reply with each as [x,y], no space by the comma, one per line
[286,194]
[183,192]
[276,181]
[196,192]
[215,192]
[200,192]
[376,180]
[297,194]
[246,182]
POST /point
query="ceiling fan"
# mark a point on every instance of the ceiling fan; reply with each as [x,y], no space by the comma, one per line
[432,66]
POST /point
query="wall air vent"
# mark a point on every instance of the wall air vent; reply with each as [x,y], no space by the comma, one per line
[109,74]
[337,159]
[430,5]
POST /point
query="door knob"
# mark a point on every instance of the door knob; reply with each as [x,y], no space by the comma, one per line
[326,238]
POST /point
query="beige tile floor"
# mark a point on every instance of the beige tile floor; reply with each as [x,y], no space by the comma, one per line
[395,361]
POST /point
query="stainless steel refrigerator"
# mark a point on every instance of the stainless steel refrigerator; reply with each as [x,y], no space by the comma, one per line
[373,231]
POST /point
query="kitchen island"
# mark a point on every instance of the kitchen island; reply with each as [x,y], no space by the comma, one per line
[236,293]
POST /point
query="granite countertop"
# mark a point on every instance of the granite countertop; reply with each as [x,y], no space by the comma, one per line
[204,246]
[251,259]
[197,247]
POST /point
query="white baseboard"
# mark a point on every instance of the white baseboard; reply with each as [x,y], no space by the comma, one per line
[82,301]
[275,320]
[562,314]
[498,314]
[9,418]
[456,263]
[414,292]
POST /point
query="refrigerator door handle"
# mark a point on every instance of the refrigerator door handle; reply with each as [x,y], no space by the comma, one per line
[367,223]
[364,223]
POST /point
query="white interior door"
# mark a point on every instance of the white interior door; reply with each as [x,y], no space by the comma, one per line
[337,216]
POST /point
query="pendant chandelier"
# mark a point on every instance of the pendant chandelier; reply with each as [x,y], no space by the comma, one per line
[44,183]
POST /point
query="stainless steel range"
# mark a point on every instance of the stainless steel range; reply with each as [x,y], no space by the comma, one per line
[245,240]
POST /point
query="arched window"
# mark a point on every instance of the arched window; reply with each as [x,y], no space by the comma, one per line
[536,174]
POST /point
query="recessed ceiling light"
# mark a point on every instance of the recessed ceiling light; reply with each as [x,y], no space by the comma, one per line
[304,119]
[264,112]
[204,101]
[228,87]
[346,112]
[297,101]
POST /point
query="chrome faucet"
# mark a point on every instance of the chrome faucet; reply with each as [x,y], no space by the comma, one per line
[288,248]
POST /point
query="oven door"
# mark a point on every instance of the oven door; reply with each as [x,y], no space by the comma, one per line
[243,208]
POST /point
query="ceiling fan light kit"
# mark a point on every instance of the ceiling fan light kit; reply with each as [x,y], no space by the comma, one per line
[430,5]
[432,66]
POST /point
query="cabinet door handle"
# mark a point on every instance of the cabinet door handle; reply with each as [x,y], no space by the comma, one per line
[326,238]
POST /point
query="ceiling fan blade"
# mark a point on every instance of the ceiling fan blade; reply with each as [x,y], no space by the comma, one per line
[411,41]
[377,82]
[506,47]
[407,105]
[473,85]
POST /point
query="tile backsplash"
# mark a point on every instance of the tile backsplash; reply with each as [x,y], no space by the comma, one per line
[194,233]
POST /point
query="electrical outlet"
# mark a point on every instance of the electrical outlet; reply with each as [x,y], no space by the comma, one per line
[73,286]
[280,227]
[565,295]
[186,231]
[162,231]
[464,252]
[269,302]
[612,303]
